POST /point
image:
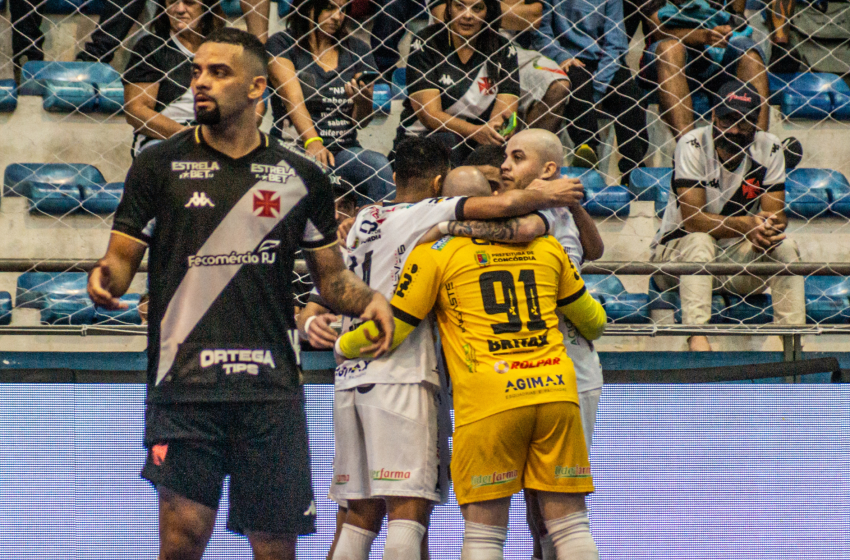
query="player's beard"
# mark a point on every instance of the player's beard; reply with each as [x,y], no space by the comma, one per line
[208,116]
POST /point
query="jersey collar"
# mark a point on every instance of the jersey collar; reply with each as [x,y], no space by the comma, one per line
[199,140]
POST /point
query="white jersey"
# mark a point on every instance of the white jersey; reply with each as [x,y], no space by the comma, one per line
[562,226]
[379,242]
[727,193]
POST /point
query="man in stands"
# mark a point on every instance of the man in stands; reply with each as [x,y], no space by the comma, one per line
[587,39]
[693,49]
[232,207]
[728,205]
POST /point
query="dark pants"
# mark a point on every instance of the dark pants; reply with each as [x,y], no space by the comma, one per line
[116,20]
[622,102]
[388,29]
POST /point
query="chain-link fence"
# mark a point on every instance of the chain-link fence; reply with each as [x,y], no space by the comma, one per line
[86,85]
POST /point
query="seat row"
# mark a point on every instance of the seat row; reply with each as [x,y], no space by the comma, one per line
[62,188]
[62,300]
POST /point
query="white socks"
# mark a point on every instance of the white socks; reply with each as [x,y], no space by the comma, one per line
[483,542]
[354,543]
[571,537]
[404,540]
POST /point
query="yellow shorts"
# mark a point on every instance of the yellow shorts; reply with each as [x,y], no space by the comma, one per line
[539,447]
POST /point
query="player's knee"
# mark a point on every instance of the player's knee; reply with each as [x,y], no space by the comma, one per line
[354,543]
[672,51]
[483,542]
[571,536]
[184,544]
[786,252]
[557,93]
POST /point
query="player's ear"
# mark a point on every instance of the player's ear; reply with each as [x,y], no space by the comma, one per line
[258,88]
[437,184]
[550,169]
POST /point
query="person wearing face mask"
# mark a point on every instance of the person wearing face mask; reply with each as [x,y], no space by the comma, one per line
[729,206]
[159,102]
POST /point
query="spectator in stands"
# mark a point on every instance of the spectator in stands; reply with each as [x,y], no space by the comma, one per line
[389,24]
[695,47]
[543,85]
[158,99]
[488,160]
[315,70]
[728,205]
[462,80]
[587,39]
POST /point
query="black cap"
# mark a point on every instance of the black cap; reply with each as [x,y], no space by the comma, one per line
[739,98]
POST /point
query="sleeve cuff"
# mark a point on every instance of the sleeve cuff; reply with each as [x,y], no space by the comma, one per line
[402,315]
[131,233]
[459,209]
[569,299]
[546,223]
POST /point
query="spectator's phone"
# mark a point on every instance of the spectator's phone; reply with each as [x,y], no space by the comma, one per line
[369,77]
[509,125]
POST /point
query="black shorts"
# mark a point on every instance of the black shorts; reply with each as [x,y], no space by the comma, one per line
[261,445]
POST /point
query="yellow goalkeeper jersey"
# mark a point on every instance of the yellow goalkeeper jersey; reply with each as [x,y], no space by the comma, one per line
[495,306]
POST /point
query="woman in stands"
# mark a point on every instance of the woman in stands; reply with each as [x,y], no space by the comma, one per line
[462,80]
[315,69]
[158,99]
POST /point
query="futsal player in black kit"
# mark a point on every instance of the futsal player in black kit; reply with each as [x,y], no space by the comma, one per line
[231,207]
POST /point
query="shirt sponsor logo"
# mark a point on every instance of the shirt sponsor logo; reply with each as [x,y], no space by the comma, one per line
[272,173]
[501,367]
[263,255]
[438,246]
[572,472]
[266,204]
[530,342]
[195,169]
[521,256]
[391,476]
[199,200]
[341,479]
[352,370]
[538,382]
[494,479]
[406,280]
[238,360]
[482,258]
[531,364]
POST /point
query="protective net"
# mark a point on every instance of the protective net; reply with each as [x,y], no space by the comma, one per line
[87,84]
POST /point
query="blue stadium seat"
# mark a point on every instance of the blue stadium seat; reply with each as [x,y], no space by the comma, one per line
[102,199]
[670,300]
[34,73]
[34,287]
[827,299]
[62,96]
[46,198]
[8,95]
[231,8]
[18,176]
[620,306]
[645,181]
[749,310]
[399,84]
[813,95]
[662,197]
[67,310]
[129,316]
[5,308]
[600,199]
[811,192]
[110,97]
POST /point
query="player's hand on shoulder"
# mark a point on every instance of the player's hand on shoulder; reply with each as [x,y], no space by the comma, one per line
[343,229]
[561,192]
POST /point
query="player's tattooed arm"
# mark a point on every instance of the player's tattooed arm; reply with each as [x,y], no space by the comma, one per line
[344,292]
[514,230]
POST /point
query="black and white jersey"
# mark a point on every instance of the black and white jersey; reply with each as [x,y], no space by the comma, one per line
[221,324]
[163,61]
[467,90]
[727,193]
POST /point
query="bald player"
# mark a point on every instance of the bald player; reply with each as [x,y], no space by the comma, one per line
[466,181]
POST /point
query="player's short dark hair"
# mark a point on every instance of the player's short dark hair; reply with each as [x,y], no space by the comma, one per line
[420,158]
[253,47]
[489,154]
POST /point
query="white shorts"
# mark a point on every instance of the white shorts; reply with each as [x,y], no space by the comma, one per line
[386,443]
[588,402]
[536,74]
